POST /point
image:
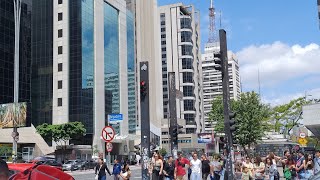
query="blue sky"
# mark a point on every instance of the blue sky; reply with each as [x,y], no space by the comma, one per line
[279,37]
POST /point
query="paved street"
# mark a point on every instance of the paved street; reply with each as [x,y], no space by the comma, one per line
[89,174]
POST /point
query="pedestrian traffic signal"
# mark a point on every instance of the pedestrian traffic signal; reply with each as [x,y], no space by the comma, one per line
[143,90]
[232,122]
[217,61]
[175,131]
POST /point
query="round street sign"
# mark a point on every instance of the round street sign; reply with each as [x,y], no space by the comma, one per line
[302,135]
[108,133]
[109,147]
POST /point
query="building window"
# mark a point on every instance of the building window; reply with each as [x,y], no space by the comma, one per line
[59,67]
[163,23]
[188,105]
[60,33]
[188,91]
[187,77]
[59,1]
[60,84]
[163,42]
[164,56]
[59,101]
[163,36]
[186,63]
[60,51]
[163,29]
[59,16]
[164,49]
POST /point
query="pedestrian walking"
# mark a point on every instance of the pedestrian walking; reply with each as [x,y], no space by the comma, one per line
[4,170]
[180,167]
[308,166]
[195,165]
[101,170]
[289,171]
[300,165]
[126,173]
[215,168]
[205,167]
[157,167]
[316,168]
[249,165]
[168,169]
[258,168]
[116,169]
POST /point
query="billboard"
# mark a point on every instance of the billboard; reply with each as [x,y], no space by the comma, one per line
[205,138]
[13,115]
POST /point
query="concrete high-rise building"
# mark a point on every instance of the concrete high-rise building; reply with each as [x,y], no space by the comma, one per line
[212,80]
[147,48]
[180,52]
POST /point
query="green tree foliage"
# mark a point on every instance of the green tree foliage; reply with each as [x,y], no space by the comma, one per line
[162,152]
[252,118]
[288,115]
[61,133]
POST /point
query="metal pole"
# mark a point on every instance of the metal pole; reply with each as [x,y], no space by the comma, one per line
[226,101]
[172,109]
[145,122]
[17,16]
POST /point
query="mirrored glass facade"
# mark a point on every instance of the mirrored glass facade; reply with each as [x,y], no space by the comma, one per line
[111,61]
[7,37]
[42,59]
[81,61]
[131,74]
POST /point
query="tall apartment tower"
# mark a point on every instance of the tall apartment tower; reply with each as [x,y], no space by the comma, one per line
[147,48]
[212,80]
[180,53]
[84,64]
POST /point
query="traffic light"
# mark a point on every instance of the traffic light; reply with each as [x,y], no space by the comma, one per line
[143,90]
[176,130]
[233,125]
[217,61]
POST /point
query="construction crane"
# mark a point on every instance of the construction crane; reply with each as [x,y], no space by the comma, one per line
[212,26]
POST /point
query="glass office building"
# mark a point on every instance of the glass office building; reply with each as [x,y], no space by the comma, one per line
[42,56]
[7,40]
[81,67]
[132,117]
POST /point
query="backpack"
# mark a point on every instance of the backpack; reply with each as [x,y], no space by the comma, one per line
[42,172]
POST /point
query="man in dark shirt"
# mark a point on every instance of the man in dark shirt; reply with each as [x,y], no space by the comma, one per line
[168,169]
[205,168]
[101,169]
[4,170]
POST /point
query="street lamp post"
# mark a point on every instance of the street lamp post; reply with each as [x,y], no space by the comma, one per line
[17,17]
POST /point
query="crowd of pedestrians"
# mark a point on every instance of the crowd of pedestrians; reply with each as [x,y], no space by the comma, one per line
[295,166]
[119,171]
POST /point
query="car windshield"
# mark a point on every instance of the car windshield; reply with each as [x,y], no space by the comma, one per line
[69,162]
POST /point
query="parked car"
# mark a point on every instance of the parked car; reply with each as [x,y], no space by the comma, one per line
[50,162]
[91,164]
[70,165]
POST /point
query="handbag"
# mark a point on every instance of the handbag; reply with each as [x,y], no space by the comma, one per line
[97,175]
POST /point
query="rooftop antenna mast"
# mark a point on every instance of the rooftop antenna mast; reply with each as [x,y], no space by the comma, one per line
[212,26]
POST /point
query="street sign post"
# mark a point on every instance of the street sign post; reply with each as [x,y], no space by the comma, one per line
[109,147]
[114,118]
[108,133]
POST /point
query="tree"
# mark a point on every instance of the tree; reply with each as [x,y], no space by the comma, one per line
[162,152]
[61,133]
[288,115]
[252,118]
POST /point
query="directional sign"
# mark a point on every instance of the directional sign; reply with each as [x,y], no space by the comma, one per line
[303,141]
[108,133]
[115,117]
[109,147]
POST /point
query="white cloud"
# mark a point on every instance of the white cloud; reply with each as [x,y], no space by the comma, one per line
[277,62]
[278,100]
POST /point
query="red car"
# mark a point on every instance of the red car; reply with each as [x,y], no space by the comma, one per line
[24,171]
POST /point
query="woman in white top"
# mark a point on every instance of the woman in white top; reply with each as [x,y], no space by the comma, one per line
[249,165]
[126,173]
[195,164]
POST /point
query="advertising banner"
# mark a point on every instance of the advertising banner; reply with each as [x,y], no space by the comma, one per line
[13,115]
[205,138]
